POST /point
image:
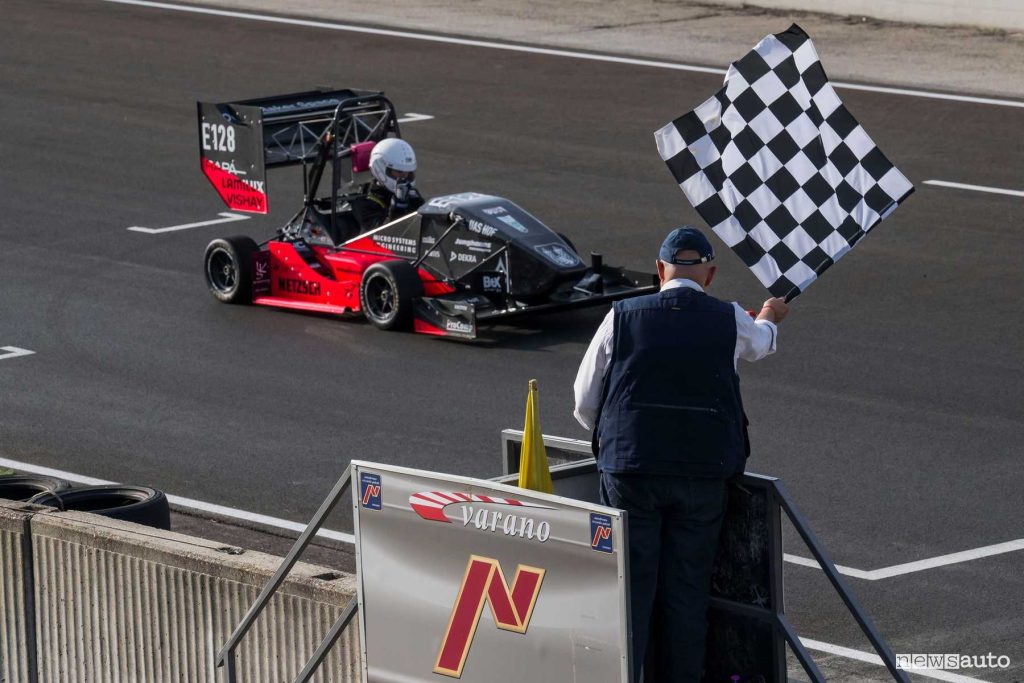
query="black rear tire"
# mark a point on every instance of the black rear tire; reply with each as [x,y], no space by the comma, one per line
[25,486]
[388,292]
[139,504]
[228,269]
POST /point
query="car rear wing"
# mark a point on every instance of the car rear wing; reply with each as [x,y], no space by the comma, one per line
[239,141]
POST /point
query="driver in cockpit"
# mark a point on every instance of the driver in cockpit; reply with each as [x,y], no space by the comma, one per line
[392,193]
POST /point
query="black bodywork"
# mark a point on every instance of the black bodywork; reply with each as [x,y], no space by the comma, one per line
[499,260]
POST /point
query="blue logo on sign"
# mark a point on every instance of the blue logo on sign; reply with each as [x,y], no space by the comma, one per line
[601,533]
[369,490]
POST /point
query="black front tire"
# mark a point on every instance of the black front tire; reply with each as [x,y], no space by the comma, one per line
[387,294]
[228,269]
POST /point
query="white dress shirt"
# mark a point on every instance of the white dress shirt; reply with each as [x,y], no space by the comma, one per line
[755,339]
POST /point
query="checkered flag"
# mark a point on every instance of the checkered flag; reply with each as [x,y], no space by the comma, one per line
[779,168]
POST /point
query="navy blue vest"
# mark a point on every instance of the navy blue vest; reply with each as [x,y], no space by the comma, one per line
[671,402]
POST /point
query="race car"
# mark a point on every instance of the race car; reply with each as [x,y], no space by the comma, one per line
[456,263]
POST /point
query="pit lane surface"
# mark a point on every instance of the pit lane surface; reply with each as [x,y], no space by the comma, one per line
[892,410]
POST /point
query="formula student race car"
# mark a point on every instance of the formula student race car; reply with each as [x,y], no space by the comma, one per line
[458,262]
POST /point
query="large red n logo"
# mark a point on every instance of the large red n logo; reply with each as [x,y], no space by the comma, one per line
[511,609]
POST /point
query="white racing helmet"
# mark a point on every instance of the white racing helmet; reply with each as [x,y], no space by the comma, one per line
[392,155]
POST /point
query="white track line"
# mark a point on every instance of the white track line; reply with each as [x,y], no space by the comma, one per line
[410,117]
[226,218]
[187,503]
[846,571]
[494,45]
[918,565]
[944,560]
[976,188]
[234,513]
[14,352]
[938,674]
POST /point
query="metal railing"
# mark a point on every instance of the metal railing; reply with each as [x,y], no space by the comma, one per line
[565,456]
[564,453]
[226,657]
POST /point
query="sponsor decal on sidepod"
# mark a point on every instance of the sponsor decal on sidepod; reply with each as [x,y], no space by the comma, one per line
[298,286]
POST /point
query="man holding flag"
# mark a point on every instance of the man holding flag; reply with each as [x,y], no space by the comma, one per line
[784,174]
[658,385]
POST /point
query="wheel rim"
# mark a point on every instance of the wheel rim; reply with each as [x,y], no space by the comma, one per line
[222,271]
[380,298]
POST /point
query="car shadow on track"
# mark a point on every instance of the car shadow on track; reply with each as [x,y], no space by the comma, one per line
[540,332]
[529,333]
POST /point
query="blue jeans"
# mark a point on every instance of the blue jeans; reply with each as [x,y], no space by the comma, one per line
[673,525]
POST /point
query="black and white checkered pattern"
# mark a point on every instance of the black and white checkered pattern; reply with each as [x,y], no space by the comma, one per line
[779,168]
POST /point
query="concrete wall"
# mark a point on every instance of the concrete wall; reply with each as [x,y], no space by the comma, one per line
[118,602]
[1007,15]
[16,619]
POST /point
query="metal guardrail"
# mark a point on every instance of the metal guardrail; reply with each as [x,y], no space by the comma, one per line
[852,605]
[565,455]
[226,657]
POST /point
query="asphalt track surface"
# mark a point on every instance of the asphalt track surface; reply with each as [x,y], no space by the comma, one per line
[892,410]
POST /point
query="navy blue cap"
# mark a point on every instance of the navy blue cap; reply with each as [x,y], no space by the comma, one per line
[690,239]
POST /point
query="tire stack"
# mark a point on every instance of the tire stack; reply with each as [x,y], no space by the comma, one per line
[139,504]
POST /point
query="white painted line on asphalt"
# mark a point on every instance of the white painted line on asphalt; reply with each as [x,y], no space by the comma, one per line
[235,513]
[494,45]
[944,560]
[809,562]
[871,658]
[188,503]
[14,352]
[266,520]
[976,188]
[410,117]
[918,565]
[50,472]
[227,218]
[806,562]
[973,99]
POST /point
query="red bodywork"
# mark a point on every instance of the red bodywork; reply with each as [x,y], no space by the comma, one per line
[328,280]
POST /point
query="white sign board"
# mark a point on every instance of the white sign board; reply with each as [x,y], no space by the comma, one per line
[467,579]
